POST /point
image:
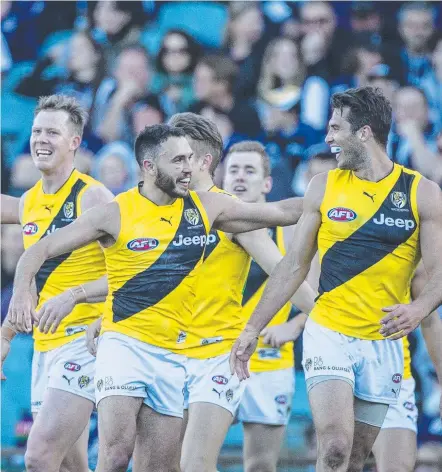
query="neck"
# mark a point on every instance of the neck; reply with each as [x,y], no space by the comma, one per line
[377,167]
[53,180]
[223,101]
[155,194]
[204,183]
[417,52]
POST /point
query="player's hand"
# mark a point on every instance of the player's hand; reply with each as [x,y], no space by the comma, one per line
[92,332]
[5,347]
[278,335]
[401,320]
[21,311]
[242,351]
[54,311]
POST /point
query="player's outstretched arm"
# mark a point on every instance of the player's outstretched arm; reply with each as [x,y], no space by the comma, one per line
[285,279]
[234,216]
[404,318]
[10,210]
[98,222]
[260,246]
[57,308]
[283,333]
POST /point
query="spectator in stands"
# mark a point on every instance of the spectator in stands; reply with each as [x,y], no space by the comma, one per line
[176,61]
[323,44]
[117,94]
[24,175]
[84,71]
[214,79]
[115,166]
[118,24]
[432,84]
[365,18]
[380,76]
[147,111]
[287,138]
[413,138]
[245,45]
[416,25]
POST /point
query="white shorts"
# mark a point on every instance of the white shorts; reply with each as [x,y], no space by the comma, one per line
[128,367]
[268,397]
[69,367]
[210,381]
[404,413]
[373,368]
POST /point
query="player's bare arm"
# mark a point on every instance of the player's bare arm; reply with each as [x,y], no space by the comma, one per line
[10,210]
[234,216]
[57,308]
[283,333]
[260,246]
[285,279]
[101,223]
[404,318]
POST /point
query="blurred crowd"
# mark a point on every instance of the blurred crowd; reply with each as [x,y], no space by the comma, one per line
[259,70]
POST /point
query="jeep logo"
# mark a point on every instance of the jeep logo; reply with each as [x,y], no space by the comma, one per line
[398,222]
[195,240]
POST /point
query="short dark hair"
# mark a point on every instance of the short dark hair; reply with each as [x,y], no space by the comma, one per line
[151,138]
[78,116]
[253,146]
[202,130]
[223,67]
[367,107]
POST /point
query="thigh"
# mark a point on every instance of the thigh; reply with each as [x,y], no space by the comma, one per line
[267,398]
[262,445]
[157,442]
[60,422]
[206,430]
[325,355]
[395,450]
[76,459]
[210,381]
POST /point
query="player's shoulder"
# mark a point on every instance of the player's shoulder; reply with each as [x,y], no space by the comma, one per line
[316,189]
[216,189]
[94,194]
[429,197]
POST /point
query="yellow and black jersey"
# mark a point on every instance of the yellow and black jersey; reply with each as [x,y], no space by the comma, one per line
[217,315]
[151,268]
[267,358]
[368,246]
[42,215]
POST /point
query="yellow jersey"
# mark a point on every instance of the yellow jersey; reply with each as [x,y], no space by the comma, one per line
[267,358]
[217,315]
[368,246]
[42,215]
[152,266]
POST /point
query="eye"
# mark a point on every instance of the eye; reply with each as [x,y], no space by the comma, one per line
[35,131]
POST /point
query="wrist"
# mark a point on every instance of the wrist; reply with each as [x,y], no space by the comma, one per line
[78,294]
[252,329]
[8,331]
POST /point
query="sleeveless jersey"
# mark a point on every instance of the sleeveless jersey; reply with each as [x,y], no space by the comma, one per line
[217,316]
[42,215]
[151,268]
[267,358]
[368,246]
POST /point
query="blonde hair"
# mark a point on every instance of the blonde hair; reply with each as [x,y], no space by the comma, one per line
[78,116]
[253,146]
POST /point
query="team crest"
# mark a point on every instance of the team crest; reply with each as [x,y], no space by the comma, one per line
[83,381]
[192,216]
[399,199]
[68,210]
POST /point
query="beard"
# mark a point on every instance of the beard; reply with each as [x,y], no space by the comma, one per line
[352,157]
[168,185]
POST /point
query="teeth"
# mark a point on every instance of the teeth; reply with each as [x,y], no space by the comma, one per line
[335,149]
[44,152]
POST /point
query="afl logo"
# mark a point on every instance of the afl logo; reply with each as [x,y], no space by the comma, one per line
[142,244]
[397,378]
[219,379]
[29,229]
[341,214]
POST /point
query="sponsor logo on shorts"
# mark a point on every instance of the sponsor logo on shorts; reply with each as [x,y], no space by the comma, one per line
[220,379]
[71,330]
[206,341]
[269,353]
[308,364]
[84,381]
[318,365]
[67,379]
[397,378]
[108,381]
[229,394]
[30,229]
[182,335]
[281,399]
[142,244]
[219,393]
[108,385]
[409,406]
[341,214]
[72,366]
[100,385]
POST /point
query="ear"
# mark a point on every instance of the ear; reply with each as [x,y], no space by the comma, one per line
[149,166]
[75,143]
[268,184]
[206,162]
[366,134]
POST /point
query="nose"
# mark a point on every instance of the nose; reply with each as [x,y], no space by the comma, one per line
[329,138]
